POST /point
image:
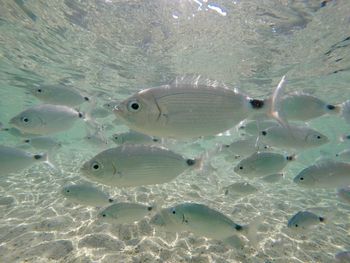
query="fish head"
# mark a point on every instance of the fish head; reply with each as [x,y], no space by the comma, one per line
[164,219]
[316,138]
[140,111]
[110,105]
[27,121]
[108,214]
[243,168]
[118,138]
[305,178]
[41,92]
[68,191]
[98,169]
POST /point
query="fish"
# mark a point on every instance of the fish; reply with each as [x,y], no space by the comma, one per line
[125,213]
[133,137]
[187,110]
[85,194]
[304,220]
[240,188]
[58,95]
[110,105]
[293,137]
[345,111]
[272,178]
[342,257]
[200,220]
[324,174]
[135,165]
[253,127]
[241,148]
[100,112]
[304,107]
[262,164]
[46,119]
[344,193]
[43,143]
[14,160]
[344,155]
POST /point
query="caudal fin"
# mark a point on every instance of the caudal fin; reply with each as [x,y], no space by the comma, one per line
[251,231]
[44,157]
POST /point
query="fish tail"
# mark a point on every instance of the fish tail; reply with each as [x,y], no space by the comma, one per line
[322,219]
[251,231]
[292,157]
[344,137]
[345,111]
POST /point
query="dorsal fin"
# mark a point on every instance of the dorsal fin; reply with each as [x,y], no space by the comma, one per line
[196,81]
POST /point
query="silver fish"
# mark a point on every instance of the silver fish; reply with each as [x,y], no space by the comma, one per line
[125,213]
[58,95]
[262,163]
[14,160]
[200,220]
[303,107]
[181,110]
[272,178]
[46,119]
[303,220]
[240,188]
[253,127]
[293,137]
[136,165]
[324,174]
[43,143]
[344,193]
[133,137]
[86,195]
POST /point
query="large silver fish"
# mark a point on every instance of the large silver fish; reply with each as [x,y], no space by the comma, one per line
[303,220]
[46,119]
[181,110]
[136,165]
[324,174]
[15,160]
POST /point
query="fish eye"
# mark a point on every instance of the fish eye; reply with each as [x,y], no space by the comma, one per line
[39,90]
[95,166]
[104,215]
[134,106]
[301,178]
[318,137]
[27,141]
[330,107]
[173,211]
[296,225]
[263,133]
[241,168]
[116,138]
[25,119]
[67,191]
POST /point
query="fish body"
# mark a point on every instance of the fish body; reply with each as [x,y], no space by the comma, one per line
[45,119]
[272,178]
[253,127]
[324,174]
[136,165]
[262,163]
[86,195]
[344,155]
[59,95]
[181,110]
[293,137]
[303,220]
[240,188]
[15,160]
[124,213]
[133,137]
[43,143]
[198,219]
[344,193]
[303,107]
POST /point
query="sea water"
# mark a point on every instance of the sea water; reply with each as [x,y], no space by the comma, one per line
[110,49]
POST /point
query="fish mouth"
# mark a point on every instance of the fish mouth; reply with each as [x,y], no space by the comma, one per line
[118,110]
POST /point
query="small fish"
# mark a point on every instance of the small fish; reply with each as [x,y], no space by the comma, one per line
[241,148]
[86,195]
[43,143]
[240,188]
[133,137]
[342,257]
[97,139]
[46,119]
[253,127]
[344,155]
[293,137]
[58,95]
[187,110]
[100,112]
[272,178]
[17,133]
[262,163]
[14,160]
[304,220]
[344,193]
[303,107]
[324,174]
[135,165]
[125,213]
[200,220]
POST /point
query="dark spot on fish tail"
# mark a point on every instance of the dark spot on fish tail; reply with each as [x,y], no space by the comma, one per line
[104,215]
[238,227]
[67,191]
[86,99]
[336,71]
[347,137]
[321,219]
[338,59]
[110,200]
[27,141]
[226,192]
[227,146]
[296,225]
[38,156]
[190,162]
[330,107]
[242,127]
[289,158]
[323,3]
[336,155]
[257,104]
[264,133]
[6,129]
[80,115]
[149,208]
[155,140]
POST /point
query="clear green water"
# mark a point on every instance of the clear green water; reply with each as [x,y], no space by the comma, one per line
[109,50]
